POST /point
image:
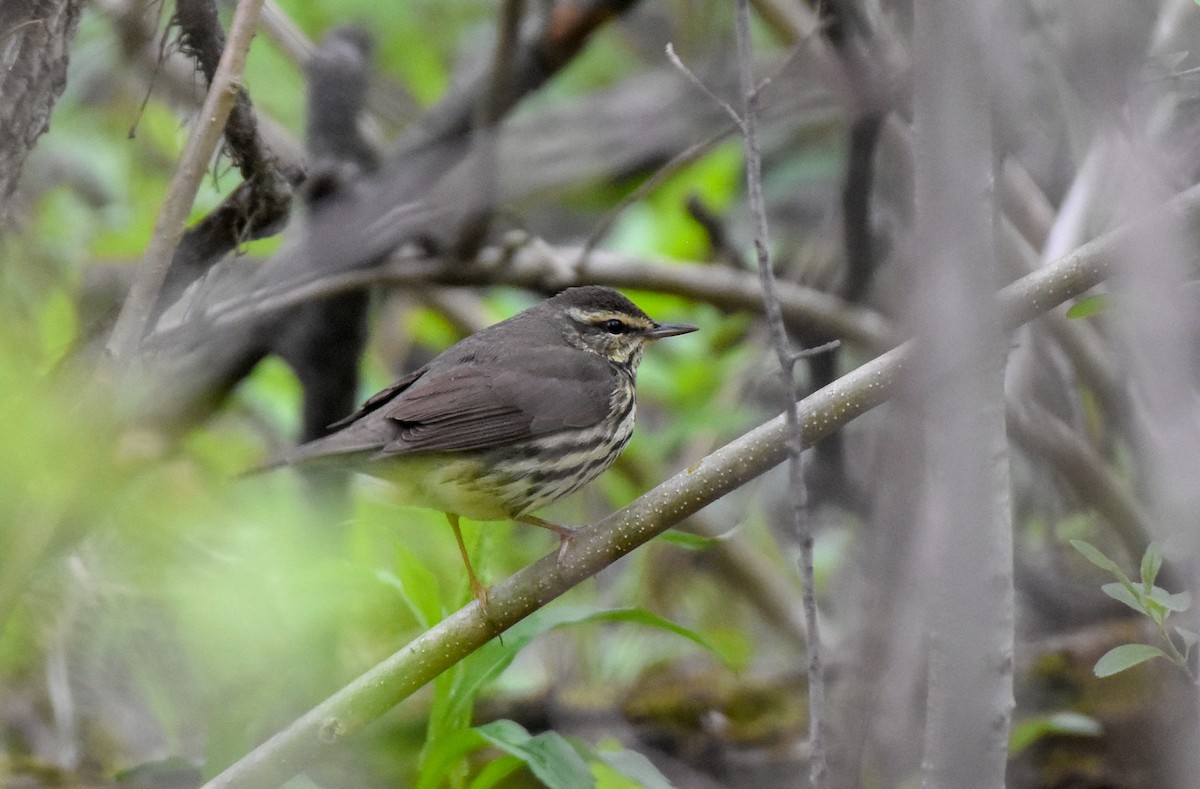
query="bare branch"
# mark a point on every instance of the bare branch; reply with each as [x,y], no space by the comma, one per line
[787,360]
[201,144]
[681,160]
[965,568]
[699,83]
[1042,434]
[542,267]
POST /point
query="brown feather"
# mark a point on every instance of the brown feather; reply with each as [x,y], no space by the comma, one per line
[484,406]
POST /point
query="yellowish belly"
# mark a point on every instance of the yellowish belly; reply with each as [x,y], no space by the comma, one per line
[442,482]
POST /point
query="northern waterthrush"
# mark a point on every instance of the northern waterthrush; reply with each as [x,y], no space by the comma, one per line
[509,419]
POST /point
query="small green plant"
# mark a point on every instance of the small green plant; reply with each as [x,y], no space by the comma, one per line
[1145,598]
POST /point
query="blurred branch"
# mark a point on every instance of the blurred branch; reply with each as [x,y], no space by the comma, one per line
[1024,203]
[866,77]
[323,339]
[542,267]
[964,568]
[261,203]
[286,34]
[477,206]
[538,55]
[202,142]
[1080,343]
[726,469]
[1042,434]
[790,20]
[387,100]
[797,489]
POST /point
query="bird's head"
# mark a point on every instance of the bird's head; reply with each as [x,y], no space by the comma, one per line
[604,322]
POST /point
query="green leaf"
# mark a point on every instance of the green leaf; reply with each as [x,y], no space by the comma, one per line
[455,696]
[445,755]
[636,767]
[1029,731]
[417,586]
[1128,596]
[1093,555]
[496,771]
[488,662]
[550,757]
[1152,561]
[1088,306]
[687,540]
[641,616]
[1125,656]
[1172,602]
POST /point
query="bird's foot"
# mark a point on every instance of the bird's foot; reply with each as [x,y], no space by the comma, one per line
[481,594]
[565,533]
[564,543]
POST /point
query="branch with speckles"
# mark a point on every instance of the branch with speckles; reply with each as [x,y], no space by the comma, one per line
[596,547]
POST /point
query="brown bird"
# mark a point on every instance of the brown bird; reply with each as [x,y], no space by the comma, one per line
[508,420]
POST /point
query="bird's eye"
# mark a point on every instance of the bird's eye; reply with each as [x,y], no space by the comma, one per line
[614,326]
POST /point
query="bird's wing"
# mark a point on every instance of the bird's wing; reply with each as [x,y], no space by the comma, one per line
[360,432]
[487,405]
[380,398]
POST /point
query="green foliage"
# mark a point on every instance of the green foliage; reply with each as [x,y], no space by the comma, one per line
[1031,730]
[687,541]
[448,740]
[1126,656]
[556,761]
[1152,601]
[1088,306]
[661,225]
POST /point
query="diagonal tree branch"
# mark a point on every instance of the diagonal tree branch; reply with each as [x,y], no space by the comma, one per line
[726,469]
[222,95]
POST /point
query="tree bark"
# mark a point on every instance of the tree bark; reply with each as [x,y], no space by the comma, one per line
[966,540]
[35,38]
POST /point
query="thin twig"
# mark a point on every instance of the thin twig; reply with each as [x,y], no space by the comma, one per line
[660,176]
[508,34]
[816,350]
[687,72]
[677,163]
[787,362]
[201,143]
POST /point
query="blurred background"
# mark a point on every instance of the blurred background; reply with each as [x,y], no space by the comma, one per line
[401,175]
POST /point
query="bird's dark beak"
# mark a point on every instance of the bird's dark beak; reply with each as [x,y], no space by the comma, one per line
[661,330]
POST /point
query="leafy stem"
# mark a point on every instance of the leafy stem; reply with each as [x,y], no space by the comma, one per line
[1149,600]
